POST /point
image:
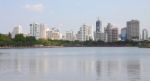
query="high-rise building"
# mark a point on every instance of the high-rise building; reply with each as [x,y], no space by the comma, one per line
[35,30]
[42,31]
[98,26]
[38,30]
[85,33]
[108,33]
[16,30]
[133,30]
[124,34]
[111,34]
[145,34]
[98,35]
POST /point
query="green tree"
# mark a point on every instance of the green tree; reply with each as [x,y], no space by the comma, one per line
[4,40]
[19,40]
[30,41]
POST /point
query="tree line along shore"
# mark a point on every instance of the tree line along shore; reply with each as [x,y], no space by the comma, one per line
[31,42]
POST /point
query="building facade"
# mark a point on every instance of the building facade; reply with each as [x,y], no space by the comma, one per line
[133,30]
[42,31]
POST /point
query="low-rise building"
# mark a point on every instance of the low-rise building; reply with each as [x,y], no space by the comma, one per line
[54,34]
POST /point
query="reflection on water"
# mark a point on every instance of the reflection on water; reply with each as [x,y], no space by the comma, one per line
[44,67]
[98,69]
[133,70]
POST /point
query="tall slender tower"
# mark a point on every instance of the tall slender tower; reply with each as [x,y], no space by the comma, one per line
[98,25]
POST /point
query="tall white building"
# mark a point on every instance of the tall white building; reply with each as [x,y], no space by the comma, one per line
[85,33]
[38,30]
[17,30]
[133,30]
[145,34]
[35,30]
[42,31]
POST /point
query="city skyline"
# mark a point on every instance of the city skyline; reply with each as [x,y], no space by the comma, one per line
[70,15]
[86,32]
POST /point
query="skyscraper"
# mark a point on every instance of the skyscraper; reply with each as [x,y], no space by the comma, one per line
[16,30]
[99,35]
[98,26]
[144,34]
[133,30]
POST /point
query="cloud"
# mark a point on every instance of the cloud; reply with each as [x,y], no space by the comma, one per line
[35,7]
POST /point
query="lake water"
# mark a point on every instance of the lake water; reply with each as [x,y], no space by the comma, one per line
[75,64]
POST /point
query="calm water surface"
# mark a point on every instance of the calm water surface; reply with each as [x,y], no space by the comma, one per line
[75,64]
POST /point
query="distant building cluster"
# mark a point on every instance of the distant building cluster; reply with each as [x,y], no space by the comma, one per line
[86,32]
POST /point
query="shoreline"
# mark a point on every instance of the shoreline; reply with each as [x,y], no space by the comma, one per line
[63,47]
[31,47]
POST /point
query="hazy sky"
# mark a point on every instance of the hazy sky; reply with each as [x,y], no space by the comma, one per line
[71,14]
